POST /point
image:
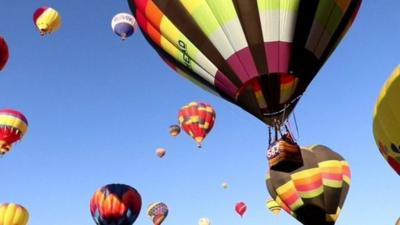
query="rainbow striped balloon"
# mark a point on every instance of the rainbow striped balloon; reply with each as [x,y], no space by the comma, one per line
[314,193]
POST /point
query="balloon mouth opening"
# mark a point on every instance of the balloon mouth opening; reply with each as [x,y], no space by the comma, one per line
[43,32]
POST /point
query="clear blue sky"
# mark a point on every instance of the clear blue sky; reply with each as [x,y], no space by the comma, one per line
[98,108]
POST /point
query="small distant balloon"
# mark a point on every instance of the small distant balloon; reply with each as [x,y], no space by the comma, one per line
[157,212]
[174,130]
[3,53]
[123,25]
[13,214]
[47,20]
[160,152]
[241,208]
[224,185]
[273,206]
[204,221]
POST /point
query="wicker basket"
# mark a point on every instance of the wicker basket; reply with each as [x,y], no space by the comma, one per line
[284,155]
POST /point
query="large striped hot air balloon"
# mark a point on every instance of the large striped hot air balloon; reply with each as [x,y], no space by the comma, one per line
[46,20]
[157,212]
[314,193]
[386,122]
[115,204]
[13,126]
[3,53]
[13,214]
[197,120]
[258,54]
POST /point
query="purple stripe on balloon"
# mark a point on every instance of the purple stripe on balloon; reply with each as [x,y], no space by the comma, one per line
[225,86]
[243,64]
[278,56]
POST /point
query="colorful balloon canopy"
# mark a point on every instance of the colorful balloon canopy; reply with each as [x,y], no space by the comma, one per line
[160,152]
[386,122]
[124,25]
[4,54]
[47,20]
[13,214]
[174,130]
[260,55]
[204,221]
[240,208]
[13,126]
[197,119]
[273,206]
[157,212]
[115,204]
[315,193]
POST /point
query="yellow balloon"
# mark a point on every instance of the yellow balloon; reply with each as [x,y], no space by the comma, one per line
[386,122]
[204,221]
[273,206]
[224,185]
[47,20]
[13,214]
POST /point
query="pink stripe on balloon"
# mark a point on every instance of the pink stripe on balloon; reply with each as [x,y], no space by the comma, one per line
[243,65]
[278,56]
[226,86]
[39,12]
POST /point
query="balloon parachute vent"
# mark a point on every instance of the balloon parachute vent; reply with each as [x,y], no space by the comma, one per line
[284,155]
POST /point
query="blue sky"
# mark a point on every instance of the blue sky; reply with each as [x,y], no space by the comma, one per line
[98,108]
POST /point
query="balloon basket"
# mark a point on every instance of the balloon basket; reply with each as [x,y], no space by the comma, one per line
[284,155]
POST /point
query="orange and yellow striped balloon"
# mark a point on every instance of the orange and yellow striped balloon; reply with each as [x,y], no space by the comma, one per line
[197,119]
[13,214]
[47,20]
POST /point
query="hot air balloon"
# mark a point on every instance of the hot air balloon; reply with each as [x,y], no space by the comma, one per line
[273,206]
[260,55]
[3,53]
[47,20]
[240,208]
[157,212]
[398,222]
[13,126]
[315,193]
[197,120]
[124,25]
[115,204]
[160,152]
[224,185]
[386,122]
[204,221]
[13,214]
[174,130]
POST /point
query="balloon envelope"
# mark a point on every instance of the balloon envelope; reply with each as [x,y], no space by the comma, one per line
[240,208]
[124,25]
[225,185]
[160,152]
[386,121]
[273,206]
[314,193]
[260,55]
[4,54]
[13,126]
[46,19]
[197,119]
[115,204]
[174,130]
[157,212]
[13,214]
[204,221]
